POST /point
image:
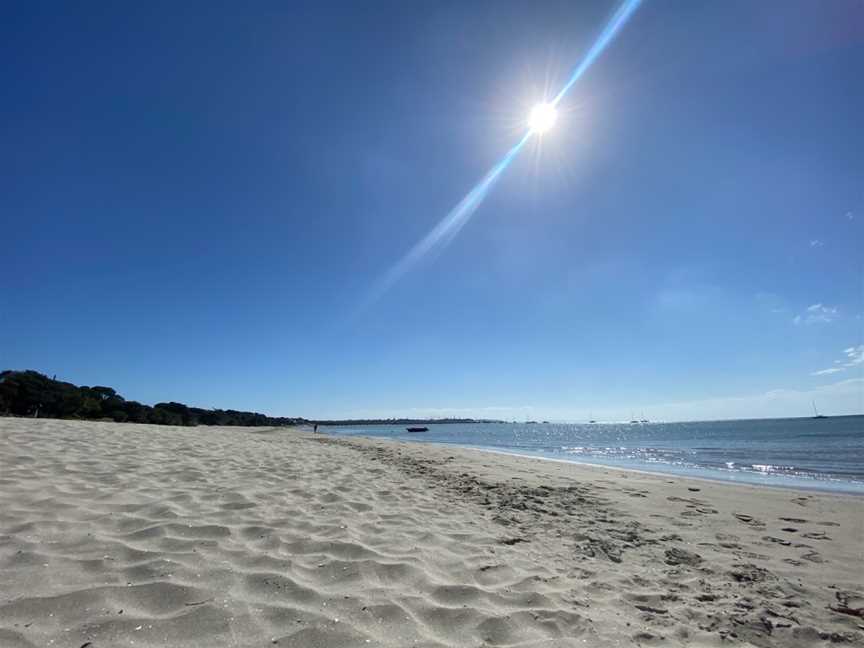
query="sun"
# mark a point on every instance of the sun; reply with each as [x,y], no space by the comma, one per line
[542,118]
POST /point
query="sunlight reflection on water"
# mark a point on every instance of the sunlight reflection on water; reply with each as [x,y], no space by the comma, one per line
[812,453]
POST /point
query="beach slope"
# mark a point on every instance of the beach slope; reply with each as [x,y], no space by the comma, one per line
[121,534]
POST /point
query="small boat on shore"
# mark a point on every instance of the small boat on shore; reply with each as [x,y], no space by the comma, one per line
[417,429]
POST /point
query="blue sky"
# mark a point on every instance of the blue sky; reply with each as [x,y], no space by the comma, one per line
[196,200]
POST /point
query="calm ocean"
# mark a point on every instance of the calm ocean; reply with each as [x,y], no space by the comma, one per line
[825,454]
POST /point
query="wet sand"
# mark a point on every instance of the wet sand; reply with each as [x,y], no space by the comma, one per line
[122,534]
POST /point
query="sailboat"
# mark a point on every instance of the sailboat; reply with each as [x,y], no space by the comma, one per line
[816,414]
[643,419]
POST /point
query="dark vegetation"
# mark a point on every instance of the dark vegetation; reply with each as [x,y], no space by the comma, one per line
[30,393]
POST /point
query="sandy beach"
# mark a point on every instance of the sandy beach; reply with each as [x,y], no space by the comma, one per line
[137,535]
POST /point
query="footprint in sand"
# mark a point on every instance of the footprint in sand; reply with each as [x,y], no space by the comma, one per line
[678,556]
[749,573]
[849,603]
[728,541]
[697,507]
[749,520]
[780,541]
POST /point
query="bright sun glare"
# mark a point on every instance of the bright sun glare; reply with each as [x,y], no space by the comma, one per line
[542,118]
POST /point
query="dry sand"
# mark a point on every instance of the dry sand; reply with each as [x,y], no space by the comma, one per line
[116,535]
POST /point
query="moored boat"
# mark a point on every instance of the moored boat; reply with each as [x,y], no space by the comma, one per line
[816,414]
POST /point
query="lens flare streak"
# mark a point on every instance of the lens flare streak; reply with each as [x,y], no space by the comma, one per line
[619,18]
[455,220]
[449,226]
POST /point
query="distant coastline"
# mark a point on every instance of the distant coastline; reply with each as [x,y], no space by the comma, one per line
[31,394]
[405,421]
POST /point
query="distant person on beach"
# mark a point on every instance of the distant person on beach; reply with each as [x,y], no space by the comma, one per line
[315,431]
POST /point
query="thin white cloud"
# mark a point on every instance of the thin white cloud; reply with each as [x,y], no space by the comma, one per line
[830,370]
[854,355]
[819,310]
[816,243]
[854,358]
[850,215]
[843,397]
[817,314]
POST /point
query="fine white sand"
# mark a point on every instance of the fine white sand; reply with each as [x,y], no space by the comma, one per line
[121,535]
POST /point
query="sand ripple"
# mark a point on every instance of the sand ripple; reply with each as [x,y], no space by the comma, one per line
[153,536]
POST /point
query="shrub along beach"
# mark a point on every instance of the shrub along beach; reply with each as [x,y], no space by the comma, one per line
[30,393]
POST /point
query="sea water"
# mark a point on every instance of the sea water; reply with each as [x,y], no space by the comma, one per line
[824,454]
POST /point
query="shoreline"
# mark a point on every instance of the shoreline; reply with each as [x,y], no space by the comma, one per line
[606,469]
[117,534]
[859,492]
[802,488]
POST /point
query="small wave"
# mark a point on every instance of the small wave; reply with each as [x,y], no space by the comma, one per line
[756,451]
[769,468]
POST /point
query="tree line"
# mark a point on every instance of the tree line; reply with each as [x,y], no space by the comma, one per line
[30,393]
